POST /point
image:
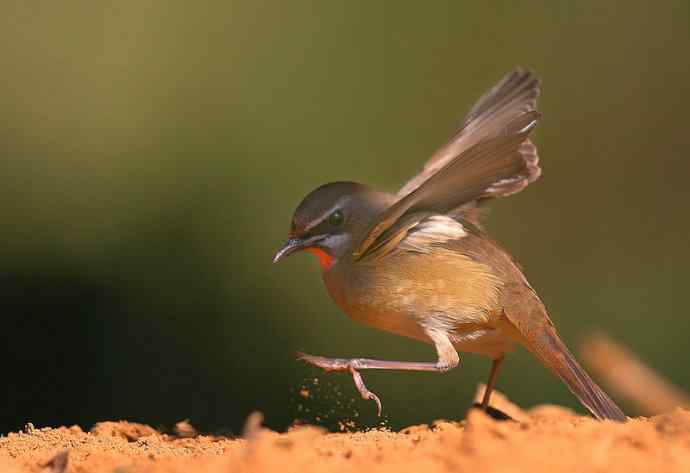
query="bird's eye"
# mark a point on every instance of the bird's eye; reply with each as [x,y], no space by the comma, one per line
[336,219]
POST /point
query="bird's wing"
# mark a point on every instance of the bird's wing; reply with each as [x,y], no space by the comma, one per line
[513,96]
[497,166]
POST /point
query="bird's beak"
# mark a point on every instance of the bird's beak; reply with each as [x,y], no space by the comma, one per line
[294,245]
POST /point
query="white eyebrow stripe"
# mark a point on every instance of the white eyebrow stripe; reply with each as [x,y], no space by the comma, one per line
[327,213]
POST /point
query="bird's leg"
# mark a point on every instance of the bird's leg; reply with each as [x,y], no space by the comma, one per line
[354,364]
[447,359]
[495,365]
[347,364]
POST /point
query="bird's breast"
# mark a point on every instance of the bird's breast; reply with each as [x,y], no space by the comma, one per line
[407,292]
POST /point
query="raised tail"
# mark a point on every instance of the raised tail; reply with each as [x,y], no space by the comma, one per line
[552,352]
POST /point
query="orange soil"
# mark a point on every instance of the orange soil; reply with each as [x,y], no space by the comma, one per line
[547,438]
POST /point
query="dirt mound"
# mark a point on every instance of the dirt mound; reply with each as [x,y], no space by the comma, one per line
[546,438]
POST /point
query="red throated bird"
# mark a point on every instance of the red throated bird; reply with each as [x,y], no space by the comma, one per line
[419,264]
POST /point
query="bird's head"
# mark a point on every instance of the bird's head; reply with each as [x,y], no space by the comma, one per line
[331,219]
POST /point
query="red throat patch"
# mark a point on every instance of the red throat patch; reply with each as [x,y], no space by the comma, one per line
[325,260]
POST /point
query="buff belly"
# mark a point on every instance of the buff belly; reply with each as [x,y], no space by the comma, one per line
[406,298]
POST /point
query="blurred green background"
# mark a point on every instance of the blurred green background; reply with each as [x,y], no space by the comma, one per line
[152,154]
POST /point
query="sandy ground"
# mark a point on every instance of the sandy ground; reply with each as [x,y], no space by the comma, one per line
[547,438]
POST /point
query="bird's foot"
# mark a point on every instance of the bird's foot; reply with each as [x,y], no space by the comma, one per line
[343,364]
[492,412]
[366,394]
[328,364]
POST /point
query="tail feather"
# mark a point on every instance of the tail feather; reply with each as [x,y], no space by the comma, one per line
[553,353]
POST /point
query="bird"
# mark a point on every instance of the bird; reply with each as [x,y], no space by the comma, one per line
[419,263]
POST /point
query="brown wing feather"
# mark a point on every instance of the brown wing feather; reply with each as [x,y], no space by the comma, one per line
[491,166]
[513,96]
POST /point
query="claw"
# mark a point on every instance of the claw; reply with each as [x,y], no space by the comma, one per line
[342,364]
[366,394]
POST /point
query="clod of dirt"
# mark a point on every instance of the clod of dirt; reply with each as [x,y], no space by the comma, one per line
[184,429]
[57,464]
[127,430]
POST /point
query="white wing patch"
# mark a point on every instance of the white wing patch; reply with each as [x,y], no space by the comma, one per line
[432,230]
[496,186]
